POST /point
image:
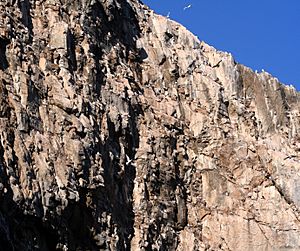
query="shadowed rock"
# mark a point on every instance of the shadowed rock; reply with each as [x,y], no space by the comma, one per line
[120,130]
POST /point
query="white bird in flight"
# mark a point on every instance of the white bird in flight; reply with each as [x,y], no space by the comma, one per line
[187,7]
[128,160]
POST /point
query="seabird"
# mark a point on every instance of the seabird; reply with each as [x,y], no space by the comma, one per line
[187,7]
[128,160]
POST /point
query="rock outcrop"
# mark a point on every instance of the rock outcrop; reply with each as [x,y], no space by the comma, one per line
[120,130]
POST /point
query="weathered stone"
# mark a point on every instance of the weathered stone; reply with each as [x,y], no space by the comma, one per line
[120,130]
[58,36]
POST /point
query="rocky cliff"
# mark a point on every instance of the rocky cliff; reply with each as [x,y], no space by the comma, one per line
[120,130]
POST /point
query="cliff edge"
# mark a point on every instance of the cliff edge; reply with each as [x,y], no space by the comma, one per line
[120,130]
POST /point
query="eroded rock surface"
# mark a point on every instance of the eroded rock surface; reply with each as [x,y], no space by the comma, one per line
[120,130]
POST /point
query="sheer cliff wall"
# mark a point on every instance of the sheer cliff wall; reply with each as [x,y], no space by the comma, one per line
[120,130]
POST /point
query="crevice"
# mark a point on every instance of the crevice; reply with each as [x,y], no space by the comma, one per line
[3,59]
[25,7]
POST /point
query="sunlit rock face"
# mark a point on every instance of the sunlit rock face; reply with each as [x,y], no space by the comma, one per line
[120,130]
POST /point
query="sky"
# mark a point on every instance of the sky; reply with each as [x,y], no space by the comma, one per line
[261,34]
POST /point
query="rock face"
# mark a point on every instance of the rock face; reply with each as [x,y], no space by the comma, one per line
[120,130]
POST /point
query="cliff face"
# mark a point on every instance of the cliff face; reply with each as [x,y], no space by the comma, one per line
[120,130]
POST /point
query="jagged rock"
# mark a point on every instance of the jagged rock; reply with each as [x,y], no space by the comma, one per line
[120,130]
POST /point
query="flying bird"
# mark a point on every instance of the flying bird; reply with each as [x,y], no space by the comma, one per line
[128,160]
[187,7]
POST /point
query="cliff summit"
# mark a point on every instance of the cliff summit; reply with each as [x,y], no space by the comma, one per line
[120,130]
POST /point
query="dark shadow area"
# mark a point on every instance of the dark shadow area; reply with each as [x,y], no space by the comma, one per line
[20,232]
[3,59]
[4,107]
[119,177]
[107,25]
[111,24]
[102,211]
[34,101]
[71,52]
[142,55]
[25,7]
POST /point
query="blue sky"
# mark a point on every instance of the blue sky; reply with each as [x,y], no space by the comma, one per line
[261,34]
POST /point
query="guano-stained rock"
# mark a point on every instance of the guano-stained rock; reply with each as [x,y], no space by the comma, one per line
[120,130]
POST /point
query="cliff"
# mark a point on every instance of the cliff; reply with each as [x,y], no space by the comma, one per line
[120,130]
